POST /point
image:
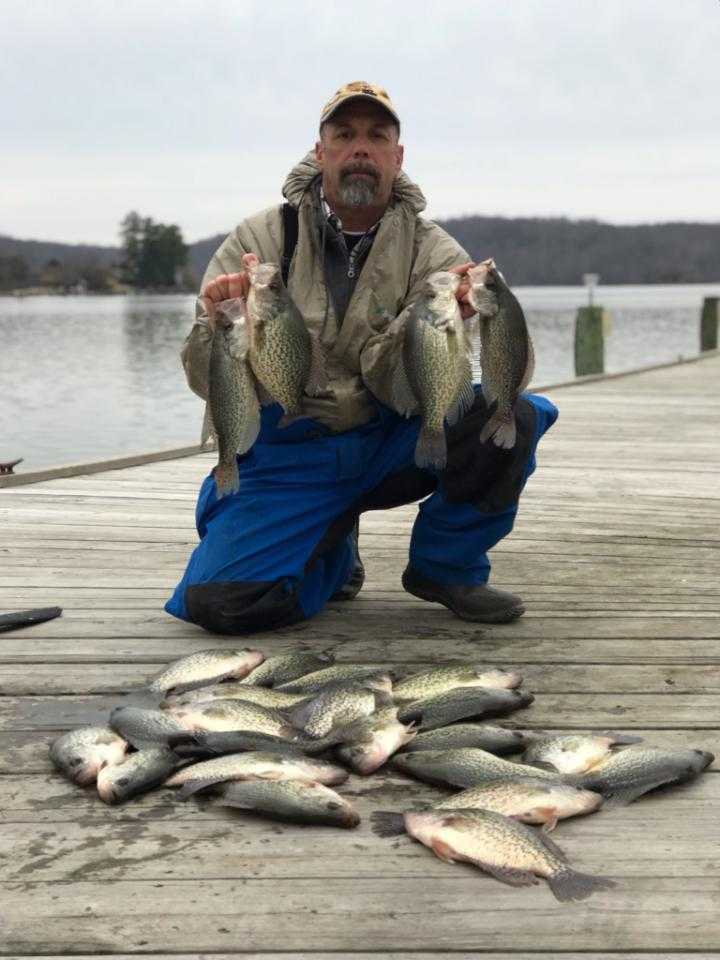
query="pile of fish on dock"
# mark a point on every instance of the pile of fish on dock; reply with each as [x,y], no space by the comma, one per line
[274,736]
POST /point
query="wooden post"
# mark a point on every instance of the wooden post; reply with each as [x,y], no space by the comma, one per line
[590,327]
[709,323]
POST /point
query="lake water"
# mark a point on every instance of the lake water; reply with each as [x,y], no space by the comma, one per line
[90,378]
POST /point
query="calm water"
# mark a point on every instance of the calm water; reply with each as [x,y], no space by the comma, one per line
[89,378]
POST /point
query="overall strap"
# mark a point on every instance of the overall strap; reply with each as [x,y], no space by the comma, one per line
[290,237]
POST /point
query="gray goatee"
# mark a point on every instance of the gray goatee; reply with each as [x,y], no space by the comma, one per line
[358,191]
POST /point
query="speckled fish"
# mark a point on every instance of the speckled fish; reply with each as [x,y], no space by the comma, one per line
[466,767]
[233,410]
[463,703]
[625,776]
[142,727]
[287,667]
[434,377]
[440,679]
[259,766]
[206,667]
[340,704]
[338,673]
[496,740]
[574,753]
[82,753]
[504,848]
[506,351]
[219,715]
[137,773]
[530,801]
[234,690]
[368,743]
[285,358]
[290,800]
[202,744]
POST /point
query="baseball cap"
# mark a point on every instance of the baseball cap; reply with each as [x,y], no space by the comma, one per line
[359,90]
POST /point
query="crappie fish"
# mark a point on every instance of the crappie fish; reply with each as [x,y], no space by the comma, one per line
[143,728]
[340,704]
[463,703]
[438,680]
[82,753]
[256,765]
[496,740]
[530,801]
[434,376]
[368,743]
[507,850]
[466,767]
[234,690]
[137,773]
[219,715]
[290,800]
[204,668]
[506,351]
[233,410]
[285,358]
[574,753]
[287,667]
[205,744]
[625,776]
[338,673]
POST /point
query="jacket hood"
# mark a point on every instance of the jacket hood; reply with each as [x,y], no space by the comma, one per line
[303,173]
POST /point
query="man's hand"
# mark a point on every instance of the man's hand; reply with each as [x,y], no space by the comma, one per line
[466,308]
[228,286]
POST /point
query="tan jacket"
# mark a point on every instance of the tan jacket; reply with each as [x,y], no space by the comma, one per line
[362,356]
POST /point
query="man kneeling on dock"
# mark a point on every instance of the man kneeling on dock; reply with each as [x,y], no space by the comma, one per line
[355,253]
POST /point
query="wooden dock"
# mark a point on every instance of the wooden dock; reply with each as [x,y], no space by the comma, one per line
[616,551]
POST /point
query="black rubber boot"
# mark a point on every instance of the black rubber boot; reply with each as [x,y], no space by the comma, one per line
[480,603]
[352,587]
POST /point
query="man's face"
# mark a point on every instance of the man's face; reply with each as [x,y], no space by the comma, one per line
[359,155]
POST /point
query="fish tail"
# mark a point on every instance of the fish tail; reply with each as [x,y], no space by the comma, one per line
[387,824]
[501,428]
[227,478]
[568,884]
[431,449]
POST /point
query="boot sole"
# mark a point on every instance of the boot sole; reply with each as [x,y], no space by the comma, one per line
[502,616]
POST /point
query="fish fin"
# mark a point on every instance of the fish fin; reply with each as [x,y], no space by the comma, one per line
[549,815]
[442,850]
[192,787]
[227,478]
[265,398]
[623,797]
[501,429]
[551,845]
[529,367]
[569,884]
[387,824]
[464,400]
[431,449]
[541,765]
[514,878]
[621,739]
[317,376]
[403,398]
[208,433]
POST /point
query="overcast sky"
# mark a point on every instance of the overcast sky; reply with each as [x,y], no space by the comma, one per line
[193,112]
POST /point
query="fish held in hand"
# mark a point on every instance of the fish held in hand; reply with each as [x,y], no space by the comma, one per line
[204,668]
[625,776]
[233,411]
[440,679]
[494,739]
[287,667]
[138,773]
[530,801]
[506,352]
[285,358]
[575,753]
[291,800]
[81,754]
[503,848]
[142,727]
[434,375]
[466,767]
[462,703]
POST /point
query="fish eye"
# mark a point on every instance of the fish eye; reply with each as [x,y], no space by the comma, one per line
[75,762]
[123,782]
